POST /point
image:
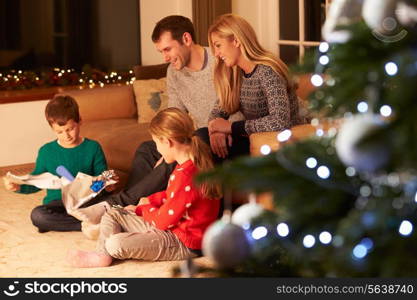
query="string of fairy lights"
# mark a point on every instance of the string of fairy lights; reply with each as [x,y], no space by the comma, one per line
[25,79]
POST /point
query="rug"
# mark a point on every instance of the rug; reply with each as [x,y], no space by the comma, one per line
[26,253]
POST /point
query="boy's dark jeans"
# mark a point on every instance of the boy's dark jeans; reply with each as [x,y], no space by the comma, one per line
[54,217]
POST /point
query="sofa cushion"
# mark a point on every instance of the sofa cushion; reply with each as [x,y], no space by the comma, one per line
[150,97]
[119,139]
[109,102]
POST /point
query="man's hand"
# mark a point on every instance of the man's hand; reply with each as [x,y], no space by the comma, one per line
[220,125]
[218,143]
[10,186]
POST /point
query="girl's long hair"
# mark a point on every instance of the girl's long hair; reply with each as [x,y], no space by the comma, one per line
[174,124]
[227,80]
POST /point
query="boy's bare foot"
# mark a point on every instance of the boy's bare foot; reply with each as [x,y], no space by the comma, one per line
[85,259]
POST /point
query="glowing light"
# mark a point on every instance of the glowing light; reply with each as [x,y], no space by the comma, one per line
[324,60]
[323,47]
[317,80]
[391,68]
[368,243]
[283,229]
[385,110]
[362,107]
[325,237]
[319,132]
[284,135]
[80,80]
[365,191]
[130,71]
[350,171]
[359,251]
[246,226]
[415,198]
[338,241]
[265,149]
[406,228]
[315,122]
[119,77]
[259,232]
[323,172]
[311,162]
[309,241]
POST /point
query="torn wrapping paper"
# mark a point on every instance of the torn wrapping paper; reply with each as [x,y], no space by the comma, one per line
[42,181]
[75,193]
[82,190]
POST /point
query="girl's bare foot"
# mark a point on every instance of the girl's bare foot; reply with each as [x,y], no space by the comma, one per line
[86,259]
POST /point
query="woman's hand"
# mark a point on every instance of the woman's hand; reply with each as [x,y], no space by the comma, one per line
[218,143]
[10,186]
[220,125]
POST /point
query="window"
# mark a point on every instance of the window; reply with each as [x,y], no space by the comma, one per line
[36,35]
[300,23]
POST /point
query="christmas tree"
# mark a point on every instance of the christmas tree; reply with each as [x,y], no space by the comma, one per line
[346,198]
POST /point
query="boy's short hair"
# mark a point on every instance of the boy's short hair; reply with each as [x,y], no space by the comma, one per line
[61,109]
[175,24]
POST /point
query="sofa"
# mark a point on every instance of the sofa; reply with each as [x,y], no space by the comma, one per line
[118,116]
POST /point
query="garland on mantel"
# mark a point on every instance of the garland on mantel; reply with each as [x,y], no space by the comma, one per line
[28,79]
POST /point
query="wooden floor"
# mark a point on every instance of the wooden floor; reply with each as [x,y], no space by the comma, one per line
[17,169]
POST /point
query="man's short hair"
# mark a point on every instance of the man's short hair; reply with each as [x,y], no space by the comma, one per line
[61,109]
[177,25]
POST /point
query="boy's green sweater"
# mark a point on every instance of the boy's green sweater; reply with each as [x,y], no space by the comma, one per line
[87,157]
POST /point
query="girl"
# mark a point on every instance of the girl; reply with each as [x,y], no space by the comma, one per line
[167,225]
[249,79]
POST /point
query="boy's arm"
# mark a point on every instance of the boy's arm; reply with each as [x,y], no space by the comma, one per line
[40,167]
[100,163]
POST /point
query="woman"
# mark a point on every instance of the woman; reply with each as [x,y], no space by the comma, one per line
[249,79]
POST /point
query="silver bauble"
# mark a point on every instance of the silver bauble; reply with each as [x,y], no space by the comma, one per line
[341,12]
[225,244]
[245,213]
[351,152]
[380,15]
[406,13]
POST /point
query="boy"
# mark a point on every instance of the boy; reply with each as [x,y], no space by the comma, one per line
[70,150]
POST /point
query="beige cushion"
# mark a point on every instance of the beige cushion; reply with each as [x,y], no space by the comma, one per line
[108,102]
[151,97]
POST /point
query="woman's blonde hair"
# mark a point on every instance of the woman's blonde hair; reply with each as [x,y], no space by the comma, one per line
[172,123]
[227,80]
